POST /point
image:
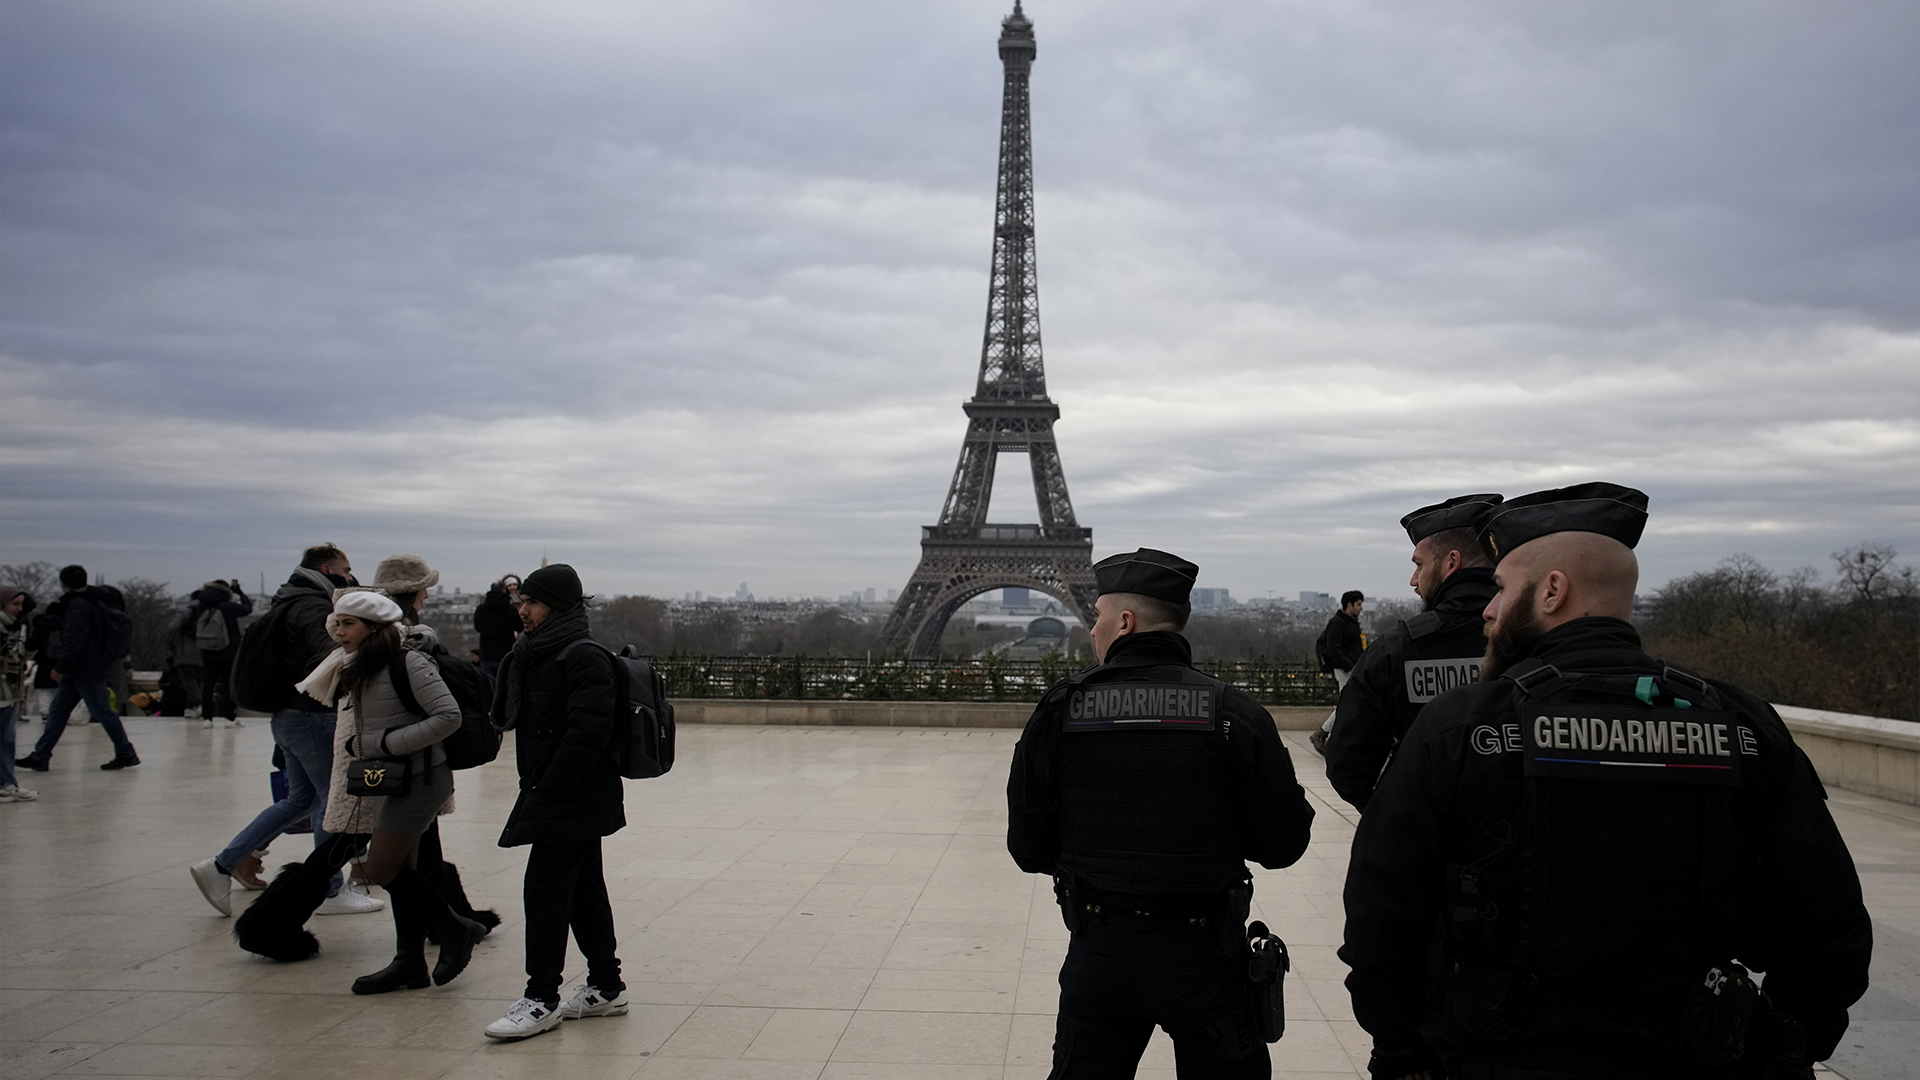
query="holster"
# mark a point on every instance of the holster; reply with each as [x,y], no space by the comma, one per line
[1066,892]
[1720,1015]
[1267,967]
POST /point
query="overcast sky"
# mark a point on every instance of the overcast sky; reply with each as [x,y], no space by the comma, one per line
[690,294]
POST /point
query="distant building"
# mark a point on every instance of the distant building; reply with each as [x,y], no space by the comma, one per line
[1015,596]
[1210,600]
[1317,600]
[1045,635]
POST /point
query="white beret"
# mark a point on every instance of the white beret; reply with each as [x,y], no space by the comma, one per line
[366,604]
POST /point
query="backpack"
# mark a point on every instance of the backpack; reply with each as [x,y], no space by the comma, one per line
[475,742]
[116,632]
[262,678]
[210,631]
[1320,652]
[642,715]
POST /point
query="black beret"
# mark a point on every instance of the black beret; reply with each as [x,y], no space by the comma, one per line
[1608,509]
[1147,572]
[1460,512]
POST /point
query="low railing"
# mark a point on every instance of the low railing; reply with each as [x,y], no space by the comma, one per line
[988,678]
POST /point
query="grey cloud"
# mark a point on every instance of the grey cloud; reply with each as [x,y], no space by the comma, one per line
[692,290]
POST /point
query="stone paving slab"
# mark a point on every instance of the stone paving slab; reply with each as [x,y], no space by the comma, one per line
[804,903]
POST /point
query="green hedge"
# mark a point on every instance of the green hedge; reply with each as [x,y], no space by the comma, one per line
[989,678]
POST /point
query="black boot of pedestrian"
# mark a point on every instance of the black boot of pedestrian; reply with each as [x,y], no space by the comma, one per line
[457,936]
[274,925]
[409,968]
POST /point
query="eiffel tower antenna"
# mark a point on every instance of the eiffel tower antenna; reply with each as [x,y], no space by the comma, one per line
[965,555]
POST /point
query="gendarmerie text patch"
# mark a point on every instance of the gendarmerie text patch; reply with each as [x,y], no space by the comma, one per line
[1428,679]
[1138,706]
[1601,742]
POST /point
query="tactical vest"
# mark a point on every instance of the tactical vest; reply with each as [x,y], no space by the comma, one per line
[1145,786]
[1625,858]
[1440,654]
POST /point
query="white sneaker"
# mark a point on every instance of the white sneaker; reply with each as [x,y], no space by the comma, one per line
[527,1017]
[12,793]
[233,721]
[588,1001]
[208,722]
[214,885]
[349,902]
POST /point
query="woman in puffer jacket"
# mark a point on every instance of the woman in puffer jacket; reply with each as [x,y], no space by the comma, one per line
[375,727]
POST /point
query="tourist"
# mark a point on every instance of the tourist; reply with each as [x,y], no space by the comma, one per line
[498,624]
[405,579]
[89,646]
[15,606]
[379,740]
[217,609]
[1339,649]
[296,640]
[557,691]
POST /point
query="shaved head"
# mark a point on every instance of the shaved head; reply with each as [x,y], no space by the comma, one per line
[1550,581]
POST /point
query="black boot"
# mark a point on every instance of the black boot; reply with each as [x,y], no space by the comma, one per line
[275,924]
[409,968]
[457,936]
[446,880]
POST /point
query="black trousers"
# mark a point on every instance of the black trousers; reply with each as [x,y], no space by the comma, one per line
[1118,983]
[566,887]
[216,685]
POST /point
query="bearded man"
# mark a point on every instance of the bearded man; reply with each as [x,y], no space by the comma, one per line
[1609,846]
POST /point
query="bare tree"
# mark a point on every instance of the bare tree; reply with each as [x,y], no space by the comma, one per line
[40,580]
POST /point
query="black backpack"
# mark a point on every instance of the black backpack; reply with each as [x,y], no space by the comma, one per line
[643,717]
[1320,652]
[262,678]
[476,741]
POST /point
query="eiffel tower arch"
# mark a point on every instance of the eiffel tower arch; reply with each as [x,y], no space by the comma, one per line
[965,555]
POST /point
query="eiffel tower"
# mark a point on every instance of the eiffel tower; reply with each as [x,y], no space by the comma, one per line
[965,555]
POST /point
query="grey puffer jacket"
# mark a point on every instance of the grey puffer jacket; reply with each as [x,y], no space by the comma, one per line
[374,723]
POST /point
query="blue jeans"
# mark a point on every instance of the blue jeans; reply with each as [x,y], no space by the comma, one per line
[8,713]
[306,740]
[69,693]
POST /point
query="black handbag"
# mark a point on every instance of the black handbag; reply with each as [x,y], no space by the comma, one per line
[377,775]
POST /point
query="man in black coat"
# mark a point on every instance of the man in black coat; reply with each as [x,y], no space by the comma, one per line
[296,641]
[232,604]
[498,624]
[557,692]
[1435,651]
[1143,787]
[81,667]
[1606,843]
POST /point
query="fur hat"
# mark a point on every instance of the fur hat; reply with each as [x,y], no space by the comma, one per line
[403,575]
[220,585]
[370,605]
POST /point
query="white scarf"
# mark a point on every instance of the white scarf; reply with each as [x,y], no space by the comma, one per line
[325,677]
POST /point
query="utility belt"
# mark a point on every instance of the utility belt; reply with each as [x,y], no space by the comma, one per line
[1220,917]
[1728,1024]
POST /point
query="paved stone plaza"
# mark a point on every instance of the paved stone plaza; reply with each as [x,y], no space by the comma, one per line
[794,904]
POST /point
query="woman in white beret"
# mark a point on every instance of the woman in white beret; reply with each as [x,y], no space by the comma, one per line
[386,746]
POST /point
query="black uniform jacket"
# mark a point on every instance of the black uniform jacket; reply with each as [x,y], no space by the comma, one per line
[1375,709]
[570,786]
[1800,916]
[1269,804]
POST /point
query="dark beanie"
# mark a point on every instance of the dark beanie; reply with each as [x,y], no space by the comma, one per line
[556,586]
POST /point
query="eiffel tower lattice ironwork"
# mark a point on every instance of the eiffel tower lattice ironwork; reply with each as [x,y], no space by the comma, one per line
[965,555]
